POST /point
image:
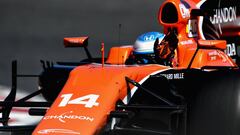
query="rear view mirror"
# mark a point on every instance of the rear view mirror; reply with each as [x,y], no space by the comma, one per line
[212,44]
[75,41]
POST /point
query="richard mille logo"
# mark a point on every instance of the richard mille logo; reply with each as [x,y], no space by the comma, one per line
[68,116]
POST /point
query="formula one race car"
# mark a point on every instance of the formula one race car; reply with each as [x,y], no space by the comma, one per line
[198,95]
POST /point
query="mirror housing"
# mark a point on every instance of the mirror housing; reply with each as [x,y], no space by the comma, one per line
[212,44]
[75,41]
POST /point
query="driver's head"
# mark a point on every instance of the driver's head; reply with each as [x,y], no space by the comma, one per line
[143,47]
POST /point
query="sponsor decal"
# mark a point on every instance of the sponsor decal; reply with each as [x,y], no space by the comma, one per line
[192,28]
[55,130]
[186,42]
[149,37]
[223,15]
[215,55]
[212,55]
[174,76]
[68,116]
[184,11]
[231,49]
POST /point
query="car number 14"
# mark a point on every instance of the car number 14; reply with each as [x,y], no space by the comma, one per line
[88,101]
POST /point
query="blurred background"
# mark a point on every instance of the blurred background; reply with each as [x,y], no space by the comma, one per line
[33,30]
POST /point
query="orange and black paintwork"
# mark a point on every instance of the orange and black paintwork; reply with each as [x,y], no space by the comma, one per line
[92,90]
[224,18]
[105,96]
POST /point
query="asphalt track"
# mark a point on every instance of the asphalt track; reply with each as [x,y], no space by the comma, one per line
[19,116]
[33,30]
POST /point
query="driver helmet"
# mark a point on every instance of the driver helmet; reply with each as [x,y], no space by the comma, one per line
[145,42]
[143,49]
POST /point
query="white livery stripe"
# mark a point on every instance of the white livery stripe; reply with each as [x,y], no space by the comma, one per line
[200,23]
[200,3]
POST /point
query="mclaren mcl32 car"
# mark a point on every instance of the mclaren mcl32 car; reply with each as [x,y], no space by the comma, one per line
[200,95]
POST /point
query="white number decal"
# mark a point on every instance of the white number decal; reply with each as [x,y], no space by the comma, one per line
[89,100]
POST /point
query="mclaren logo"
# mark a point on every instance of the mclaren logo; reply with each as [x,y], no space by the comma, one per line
[68,116]
[223,15]
[61,131]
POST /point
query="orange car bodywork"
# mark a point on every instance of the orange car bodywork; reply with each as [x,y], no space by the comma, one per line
[107,83]
[91,92]
[188,45]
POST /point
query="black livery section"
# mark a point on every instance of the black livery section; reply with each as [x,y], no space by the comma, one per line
[225,17]
[181,102]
